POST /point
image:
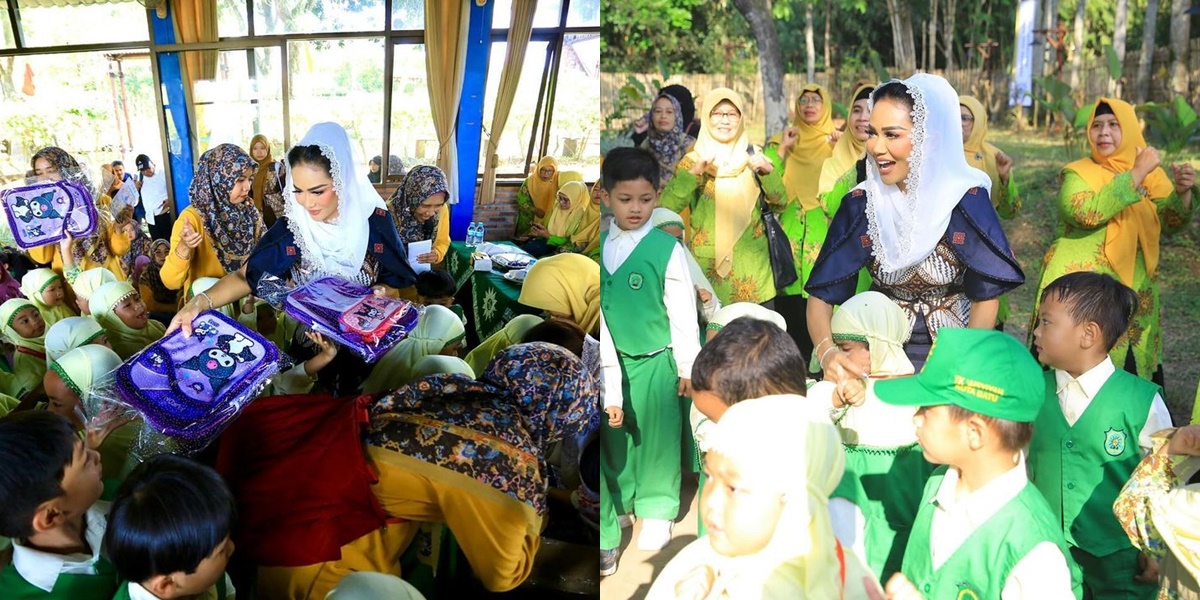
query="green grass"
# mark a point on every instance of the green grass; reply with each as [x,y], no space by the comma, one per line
[1038,157]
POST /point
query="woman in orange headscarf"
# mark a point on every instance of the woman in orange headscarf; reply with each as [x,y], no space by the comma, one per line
[537,195]
[1113,208]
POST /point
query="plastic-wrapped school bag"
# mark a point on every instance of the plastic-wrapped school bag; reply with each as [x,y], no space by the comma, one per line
[41,213]
[190,388]
[351,315]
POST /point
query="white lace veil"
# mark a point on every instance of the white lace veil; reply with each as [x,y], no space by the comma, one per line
[907,226]
[337,248]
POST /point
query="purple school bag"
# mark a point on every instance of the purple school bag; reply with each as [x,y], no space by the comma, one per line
[39,213]
[349,314]
[190,388]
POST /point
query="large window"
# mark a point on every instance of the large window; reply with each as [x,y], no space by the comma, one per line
[414,139]
[48,23]
[98,106]
[340,81]
[519,131]
[244,99]
[317,16]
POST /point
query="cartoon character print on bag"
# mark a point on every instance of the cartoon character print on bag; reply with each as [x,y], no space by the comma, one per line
[28,209]
[219,364]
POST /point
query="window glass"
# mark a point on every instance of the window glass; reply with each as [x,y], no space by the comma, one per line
[414,139]
[575,127]
[547,15]
[583,13]
[98,106]
[317,16]
[513,147]
[8,40]
[46,24]
[243,99]
[231,18]
[408,14]
[339,81]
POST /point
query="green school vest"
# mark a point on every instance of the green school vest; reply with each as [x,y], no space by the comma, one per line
[123,591]
[979,568]
[100,586]
[1081,469]
[632,297]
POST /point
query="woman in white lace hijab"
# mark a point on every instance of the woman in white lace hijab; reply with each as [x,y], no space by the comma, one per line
[921,223]
[334,224]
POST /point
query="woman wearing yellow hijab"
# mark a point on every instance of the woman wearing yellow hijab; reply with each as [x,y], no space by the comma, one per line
[265,190]
[814,140]
[1113,207]
[719,182]
[988,158]
[536,195]
[566,286]
[563,224]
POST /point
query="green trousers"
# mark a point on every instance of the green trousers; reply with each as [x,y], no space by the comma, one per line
[1111,577]
[641,459]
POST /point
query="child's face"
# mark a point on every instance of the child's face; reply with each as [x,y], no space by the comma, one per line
[1057,338]
[859,352]
[207,573]
[452,349]
[53,294]
[709,404]
[28,323]
[740,521]
[132,311]
[943,439]
[62,401]
[81,482]
[631,202]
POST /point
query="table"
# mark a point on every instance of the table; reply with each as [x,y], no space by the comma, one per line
[493,298]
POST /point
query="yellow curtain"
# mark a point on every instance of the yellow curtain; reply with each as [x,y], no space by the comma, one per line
[195,22]
[514,58]
[445,61]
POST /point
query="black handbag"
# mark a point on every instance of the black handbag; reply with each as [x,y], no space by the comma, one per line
[783,262]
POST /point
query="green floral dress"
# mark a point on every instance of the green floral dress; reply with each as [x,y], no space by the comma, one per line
[525,213]
[1083,217]
[750,279]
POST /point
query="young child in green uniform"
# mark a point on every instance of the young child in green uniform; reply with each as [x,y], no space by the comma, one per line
[648,302]
[1094,420]
[982,530]
[169,532]
[49,490]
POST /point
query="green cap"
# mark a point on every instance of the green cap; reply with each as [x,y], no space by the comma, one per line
[981,370]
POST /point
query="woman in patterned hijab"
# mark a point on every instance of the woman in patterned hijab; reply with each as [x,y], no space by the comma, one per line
[234,227]
[419,208]
[666,140]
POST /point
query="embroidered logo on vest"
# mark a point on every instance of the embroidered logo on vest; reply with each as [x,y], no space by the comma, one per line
[959,238]
[1114,441]
[967,591]
[635,281]
[379,212]
[865,240]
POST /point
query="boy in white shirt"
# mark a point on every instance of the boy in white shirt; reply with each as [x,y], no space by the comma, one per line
[1084,448]
[648,304]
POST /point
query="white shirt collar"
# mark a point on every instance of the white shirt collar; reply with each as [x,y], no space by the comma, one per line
[1090,382]
[41,569]
[615,232]
[137,592]
[980,505]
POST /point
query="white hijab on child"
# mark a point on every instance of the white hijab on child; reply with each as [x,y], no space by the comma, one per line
[745,309]
[872,318]
[337,248]
[908,225]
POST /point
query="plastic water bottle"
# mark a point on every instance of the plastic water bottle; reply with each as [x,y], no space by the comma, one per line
[471,234]
[479,230]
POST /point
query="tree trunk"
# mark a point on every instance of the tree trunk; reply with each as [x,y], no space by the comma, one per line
[810,50]
[770,63]
[1077,54]
[931,44]
[1146,62]
[902,37]
[1180,31]
[1115,86]
[7,90]
[1050,54]
[948,33]
[828,57]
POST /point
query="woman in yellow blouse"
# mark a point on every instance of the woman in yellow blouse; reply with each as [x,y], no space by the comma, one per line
[214,235]
[103,248]
[419,207]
